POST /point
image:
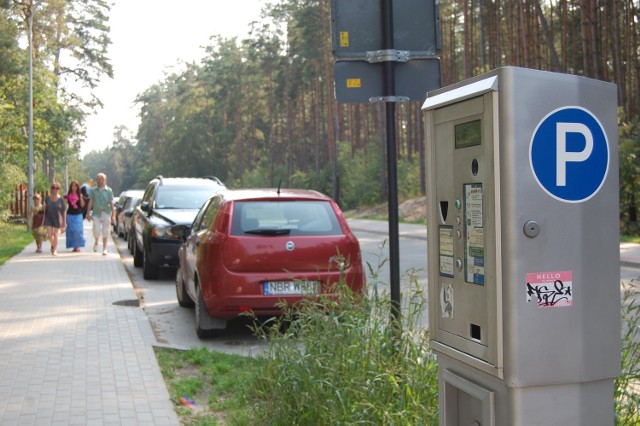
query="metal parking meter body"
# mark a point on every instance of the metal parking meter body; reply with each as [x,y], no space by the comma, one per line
[523,247]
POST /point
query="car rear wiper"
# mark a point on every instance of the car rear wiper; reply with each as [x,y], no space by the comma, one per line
[268,231]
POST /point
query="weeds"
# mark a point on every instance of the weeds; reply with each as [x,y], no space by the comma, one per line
[627,385]
[341,360]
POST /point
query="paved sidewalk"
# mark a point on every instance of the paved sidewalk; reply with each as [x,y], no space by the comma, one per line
[68,355]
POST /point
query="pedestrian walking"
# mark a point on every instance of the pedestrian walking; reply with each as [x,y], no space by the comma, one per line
[54,216]
[75,205]
[38,230]
[85,197]
[101,211]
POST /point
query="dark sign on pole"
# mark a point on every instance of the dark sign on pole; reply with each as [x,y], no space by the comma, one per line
[357,27]
[358,81]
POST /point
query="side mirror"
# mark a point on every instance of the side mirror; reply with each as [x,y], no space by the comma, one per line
[180,230]
[144,206]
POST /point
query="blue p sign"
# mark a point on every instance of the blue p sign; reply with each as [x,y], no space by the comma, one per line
[569,154]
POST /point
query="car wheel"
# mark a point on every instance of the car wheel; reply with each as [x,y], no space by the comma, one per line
[181,292]
[129,242]
[149,271]
[137,255]
[202,316]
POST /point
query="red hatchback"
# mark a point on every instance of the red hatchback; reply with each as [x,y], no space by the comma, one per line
[247,250]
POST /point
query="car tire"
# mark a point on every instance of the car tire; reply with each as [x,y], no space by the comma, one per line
[129,242]
[181,292]
[137,254]
[149,270]
[201,317]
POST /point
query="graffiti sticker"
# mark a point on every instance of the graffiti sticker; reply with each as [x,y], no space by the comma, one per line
[550,289]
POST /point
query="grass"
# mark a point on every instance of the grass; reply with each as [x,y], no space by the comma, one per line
[13,239]
[218,384]
[329,361]
[630,239]
[344,361]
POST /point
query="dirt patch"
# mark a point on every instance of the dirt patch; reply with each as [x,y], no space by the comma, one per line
[413,210]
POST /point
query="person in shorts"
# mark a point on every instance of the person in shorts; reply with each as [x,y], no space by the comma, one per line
[101,211]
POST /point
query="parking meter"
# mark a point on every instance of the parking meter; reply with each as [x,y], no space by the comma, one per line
[523,248]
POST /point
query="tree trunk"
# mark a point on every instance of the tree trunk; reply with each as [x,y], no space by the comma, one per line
[555,62]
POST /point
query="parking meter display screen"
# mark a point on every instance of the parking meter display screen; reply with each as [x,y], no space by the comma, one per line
[468,134]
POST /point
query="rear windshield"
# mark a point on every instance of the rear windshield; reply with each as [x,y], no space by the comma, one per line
[284,218]
[182,197]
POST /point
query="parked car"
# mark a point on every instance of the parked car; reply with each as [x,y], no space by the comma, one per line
[125,205]
[131,232]
[166,202]
[247,250]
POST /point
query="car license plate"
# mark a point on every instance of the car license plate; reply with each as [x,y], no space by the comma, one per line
[278,288]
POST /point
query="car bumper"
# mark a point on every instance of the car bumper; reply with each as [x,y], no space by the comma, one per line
[238,293]
[163,254]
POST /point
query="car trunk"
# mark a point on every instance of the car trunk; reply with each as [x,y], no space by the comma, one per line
[287,253]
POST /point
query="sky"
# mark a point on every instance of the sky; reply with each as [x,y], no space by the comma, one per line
[150,39]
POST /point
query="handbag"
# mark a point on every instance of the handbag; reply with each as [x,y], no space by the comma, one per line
[38,220]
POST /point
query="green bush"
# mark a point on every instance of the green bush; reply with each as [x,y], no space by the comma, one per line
[345,361]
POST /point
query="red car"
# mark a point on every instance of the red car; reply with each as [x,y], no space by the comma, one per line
[247,250]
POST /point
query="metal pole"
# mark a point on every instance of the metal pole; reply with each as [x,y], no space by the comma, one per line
[30,170]
[30,185]
[392,172]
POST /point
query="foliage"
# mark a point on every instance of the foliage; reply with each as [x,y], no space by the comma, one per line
[262,110]
[344,361]
[10,177]
[627,385]
[70,39]
[629,146]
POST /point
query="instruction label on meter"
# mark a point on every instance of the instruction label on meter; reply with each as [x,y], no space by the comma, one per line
[474,234]
[446,250]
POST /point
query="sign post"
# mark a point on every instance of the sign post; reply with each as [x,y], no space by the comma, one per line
[366,36]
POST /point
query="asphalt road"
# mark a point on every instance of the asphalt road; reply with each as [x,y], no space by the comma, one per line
[174,326]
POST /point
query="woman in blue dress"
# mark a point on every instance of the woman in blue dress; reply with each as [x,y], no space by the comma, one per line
[75,206]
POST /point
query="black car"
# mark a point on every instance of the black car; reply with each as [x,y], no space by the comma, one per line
[166,202]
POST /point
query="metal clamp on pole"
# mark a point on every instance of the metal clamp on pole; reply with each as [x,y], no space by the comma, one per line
[387,55]
[376,99]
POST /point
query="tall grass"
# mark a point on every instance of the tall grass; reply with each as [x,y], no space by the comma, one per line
[342,361]
[627,385]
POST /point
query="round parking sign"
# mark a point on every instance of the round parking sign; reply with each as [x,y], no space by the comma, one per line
[569,154]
